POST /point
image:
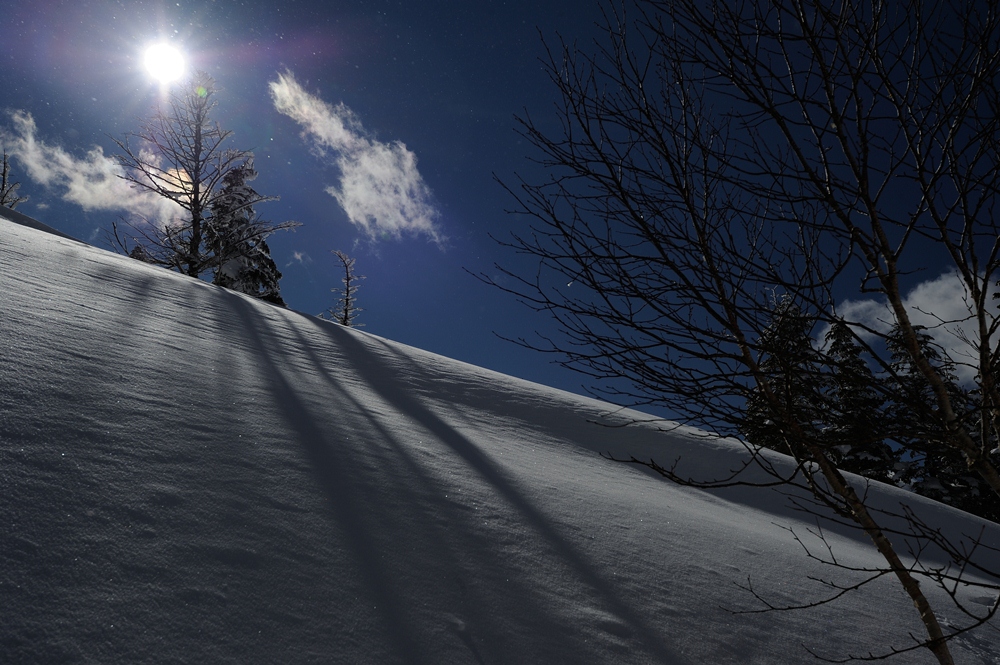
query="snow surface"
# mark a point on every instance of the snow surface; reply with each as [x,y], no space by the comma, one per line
[190,475]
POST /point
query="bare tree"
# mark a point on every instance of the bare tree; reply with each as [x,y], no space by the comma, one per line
[346,309]
[713,154]
[179,154]
[8,189]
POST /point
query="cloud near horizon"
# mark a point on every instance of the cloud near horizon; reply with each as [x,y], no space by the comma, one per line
[380,188]
[93,182]
[940,305]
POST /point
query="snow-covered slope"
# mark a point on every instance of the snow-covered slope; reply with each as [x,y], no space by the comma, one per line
[189,475]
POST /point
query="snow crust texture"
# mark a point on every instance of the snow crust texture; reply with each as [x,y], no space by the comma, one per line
[190,475]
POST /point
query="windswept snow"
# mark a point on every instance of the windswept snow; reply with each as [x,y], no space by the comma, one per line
[190,475]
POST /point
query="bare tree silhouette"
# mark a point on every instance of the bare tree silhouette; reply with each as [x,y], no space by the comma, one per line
[713,156]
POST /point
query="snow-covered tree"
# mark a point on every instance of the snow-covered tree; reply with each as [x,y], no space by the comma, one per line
[346,309]
[8,189]
[235,236]
[179,154]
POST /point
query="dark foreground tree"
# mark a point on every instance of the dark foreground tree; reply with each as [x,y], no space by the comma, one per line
[929,466]
[881,427]
[346,309]
[715,153]
[857,432]
[179,154]
[8,189]
[793,371]
[233,236]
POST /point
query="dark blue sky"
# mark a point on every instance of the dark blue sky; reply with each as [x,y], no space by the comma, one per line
[443,77]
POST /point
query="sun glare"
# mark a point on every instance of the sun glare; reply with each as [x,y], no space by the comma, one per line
[164,63]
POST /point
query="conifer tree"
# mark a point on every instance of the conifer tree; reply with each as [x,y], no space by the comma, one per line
[933,468]
[706,152]
[235,235]
[856,431]
[179,154]
[864,421]
[789,367]
[837,399]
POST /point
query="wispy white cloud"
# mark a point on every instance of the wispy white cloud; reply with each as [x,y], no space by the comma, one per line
[301,258]
[92,182]
[380,188]
[940,304]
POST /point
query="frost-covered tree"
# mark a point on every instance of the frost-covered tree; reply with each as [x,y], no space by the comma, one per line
[179,154]
[346,309]
[8,189]
[235,236]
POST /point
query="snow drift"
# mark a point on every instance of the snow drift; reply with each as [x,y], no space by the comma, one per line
[190,475]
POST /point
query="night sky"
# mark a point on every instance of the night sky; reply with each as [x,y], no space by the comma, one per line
[444,78]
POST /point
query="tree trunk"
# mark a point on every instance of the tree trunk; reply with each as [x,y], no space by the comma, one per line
[937,643]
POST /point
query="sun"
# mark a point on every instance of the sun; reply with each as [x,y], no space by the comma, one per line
[164,63]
